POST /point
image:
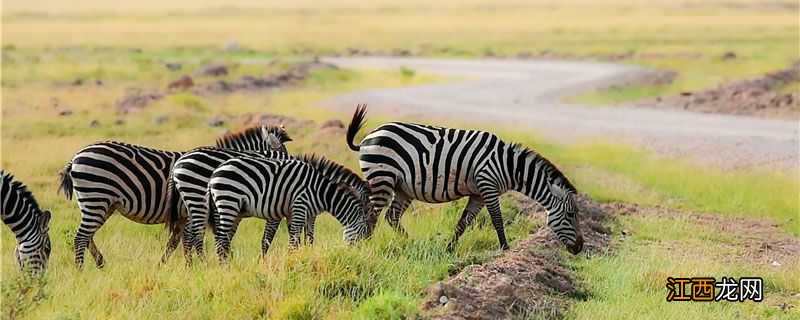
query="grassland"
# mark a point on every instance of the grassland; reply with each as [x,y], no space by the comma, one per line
[383,276]
[689,37]
[47,45]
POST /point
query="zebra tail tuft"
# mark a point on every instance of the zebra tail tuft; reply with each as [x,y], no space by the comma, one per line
[65,183]
[174,223]
[355,125]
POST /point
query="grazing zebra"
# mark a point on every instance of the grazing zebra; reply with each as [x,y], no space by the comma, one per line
[190,178]
[193,171]
[275,189]
[134,180]
[28,222]
[432,164]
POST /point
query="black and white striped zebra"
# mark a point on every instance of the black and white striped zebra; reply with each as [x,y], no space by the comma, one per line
[134,181]
[276,189]
[193,171]
[29,223]
[404,162]
[190,178]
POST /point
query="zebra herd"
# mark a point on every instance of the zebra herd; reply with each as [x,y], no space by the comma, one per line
[251,174]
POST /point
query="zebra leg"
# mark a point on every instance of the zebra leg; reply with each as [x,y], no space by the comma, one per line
[470,211]
[172,244]
[309,230]
[295,225]
[270,228]
[227,216]
[195,227]
[492,199]
[91,221]
[396,210]
[188,243]
[99,261]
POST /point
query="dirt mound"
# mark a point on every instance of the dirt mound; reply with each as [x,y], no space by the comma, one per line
[136,99]
[183,83]
[251,119]
[753,97]
[214,70]
[295,74]
[528,280]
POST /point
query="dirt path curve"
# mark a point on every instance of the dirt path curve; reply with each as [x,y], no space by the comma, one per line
[527,94]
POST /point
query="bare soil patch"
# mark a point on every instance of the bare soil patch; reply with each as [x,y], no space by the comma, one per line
[138,98]
[531,279]
[758,97]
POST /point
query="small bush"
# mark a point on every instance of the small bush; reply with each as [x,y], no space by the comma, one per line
[189,100]
[387,305]
[299,308]
[407,72]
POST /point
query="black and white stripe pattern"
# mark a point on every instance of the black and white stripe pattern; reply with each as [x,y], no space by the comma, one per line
[193,171]
[404,162]
[190,178]
[134,181]
[275,189]
[28,222]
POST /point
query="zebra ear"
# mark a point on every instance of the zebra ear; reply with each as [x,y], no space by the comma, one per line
[558,191]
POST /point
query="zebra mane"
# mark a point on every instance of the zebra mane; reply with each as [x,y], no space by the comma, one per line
[552,171]
[254,132]
[334,171]
[21,189]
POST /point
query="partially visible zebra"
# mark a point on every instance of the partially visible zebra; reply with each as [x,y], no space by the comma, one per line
[193,171]
[29,223]
[275,189]
[190,178]
[134,180]
[405,161]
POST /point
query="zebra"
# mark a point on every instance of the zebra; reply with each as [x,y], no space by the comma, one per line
[134,180]
[405,161]
[275,189]
[190,178]
[29,223]
[193,171]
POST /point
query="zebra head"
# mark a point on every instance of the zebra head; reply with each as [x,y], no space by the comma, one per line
[35,254]
[358,220]
[562,215]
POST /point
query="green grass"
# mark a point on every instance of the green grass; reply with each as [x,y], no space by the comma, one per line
[630,283]
[739,193]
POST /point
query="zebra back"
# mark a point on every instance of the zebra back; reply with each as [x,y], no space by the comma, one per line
[553,174]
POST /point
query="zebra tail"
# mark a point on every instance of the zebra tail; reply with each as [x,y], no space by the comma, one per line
[173,222]
[212,211]
[65,185]
[355,125]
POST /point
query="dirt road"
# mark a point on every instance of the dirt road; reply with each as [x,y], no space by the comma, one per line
[528,94]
